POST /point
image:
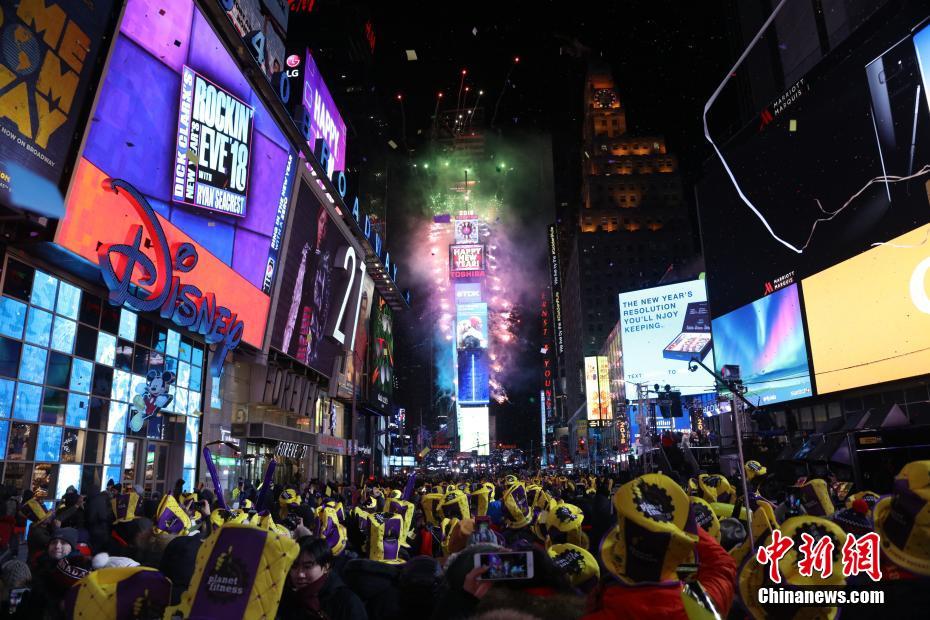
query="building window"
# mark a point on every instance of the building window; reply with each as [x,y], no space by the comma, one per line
[73,378]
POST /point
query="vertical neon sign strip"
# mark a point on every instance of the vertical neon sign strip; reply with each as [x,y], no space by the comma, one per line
[185,170]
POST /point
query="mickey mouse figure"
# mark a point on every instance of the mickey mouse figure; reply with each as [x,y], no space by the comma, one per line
[151,398]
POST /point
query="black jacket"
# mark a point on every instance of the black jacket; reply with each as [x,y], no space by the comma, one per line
[337,602]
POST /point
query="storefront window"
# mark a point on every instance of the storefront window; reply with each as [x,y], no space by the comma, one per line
[27,402]
[38,326]
[22,442]
[44,290]
[68,475]
[7,388]
[12,317]
[48,447]
[4,432]
[75,365]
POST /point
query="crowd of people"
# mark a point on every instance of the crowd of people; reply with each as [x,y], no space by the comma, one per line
[593,546]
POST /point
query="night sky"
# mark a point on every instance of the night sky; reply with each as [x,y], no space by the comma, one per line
[667,58]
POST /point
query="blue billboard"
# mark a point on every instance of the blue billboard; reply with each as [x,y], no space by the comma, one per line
[473,377]
[766,340]
[471,326]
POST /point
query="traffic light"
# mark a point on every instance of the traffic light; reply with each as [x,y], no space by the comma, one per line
[582,445]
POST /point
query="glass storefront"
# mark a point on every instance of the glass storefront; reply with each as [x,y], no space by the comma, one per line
[71,367]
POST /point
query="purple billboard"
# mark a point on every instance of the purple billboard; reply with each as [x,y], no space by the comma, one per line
[175,112]
[317,115]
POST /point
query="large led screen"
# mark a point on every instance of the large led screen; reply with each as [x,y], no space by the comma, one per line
[318,116]
[766,340]
[471,326]
[466,261]
[833,164]
[661,330]
[597,388]
[320,287]
[49,52]
[869,317]
[473,426]
[473,377]
[146,107]
[381,351]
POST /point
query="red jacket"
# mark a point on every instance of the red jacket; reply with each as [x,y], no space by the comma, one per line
[716,573]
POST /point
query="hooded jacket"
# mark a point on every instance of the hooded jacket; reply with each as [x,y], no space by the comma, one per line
[716,573]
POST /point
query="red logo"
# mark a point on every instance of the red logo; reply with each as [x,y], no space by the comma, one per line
[769,288]
[293,60]
[765,118]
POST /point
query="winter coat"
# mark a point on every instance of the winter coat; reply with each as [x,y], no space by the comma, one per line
[716,573]
[337,602]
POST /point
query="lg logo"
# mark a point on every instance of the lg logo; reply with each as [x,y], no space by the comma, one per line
[919,289]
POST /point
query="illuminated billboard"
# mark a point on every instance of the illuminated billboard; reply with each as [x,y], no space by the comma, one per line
[662,328]
[50,51]
[766,340]
[467,292]
[318,310]
[381,352]
[317,115]
[211,169]
[800,207]
[248,17]
[869,317]
[597,388]
[466,261]
[603,389]
[471,326]
[473,377]
[134,138]
[465,228]
[473,424]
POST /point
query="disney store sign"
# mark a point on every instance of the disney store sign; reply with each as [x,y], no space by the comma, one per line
[158,285]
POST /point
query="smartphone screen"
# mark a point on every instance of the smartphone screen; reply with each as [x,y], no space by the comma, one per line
[506,565]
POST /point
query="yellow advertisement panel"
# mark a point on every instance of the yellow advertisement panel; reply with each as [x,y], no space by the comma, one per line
[603,389]
[869,316]
[591,387]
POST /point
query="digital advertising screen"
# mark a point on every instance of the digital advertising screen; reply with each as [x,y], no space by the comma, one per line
[869,317]
[471,326]
[661,330]
[355,363]
[466,261]
[50,52]
[465,229]
[832,165]
[381,367]
[467,292]
[473,376]
[473,426]
[603,388]
[174,108]
[247,16]
[592,387]
[320,287]
[766,340]
[214,138]
[318,112]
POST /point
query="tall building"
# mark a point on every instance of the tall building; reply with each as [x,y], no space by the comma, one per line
[632,228]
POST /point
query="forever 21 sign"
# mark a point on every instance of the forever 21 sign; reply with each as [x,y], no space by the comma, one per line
[321,288]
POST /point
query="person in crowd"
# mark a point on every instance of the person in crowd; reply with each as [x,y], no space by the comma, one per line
[314,590]
[15,589]
[56,570]
[656,533]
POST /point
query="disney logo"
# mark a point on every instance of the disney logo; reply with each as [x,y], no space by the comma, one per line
[159,288]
